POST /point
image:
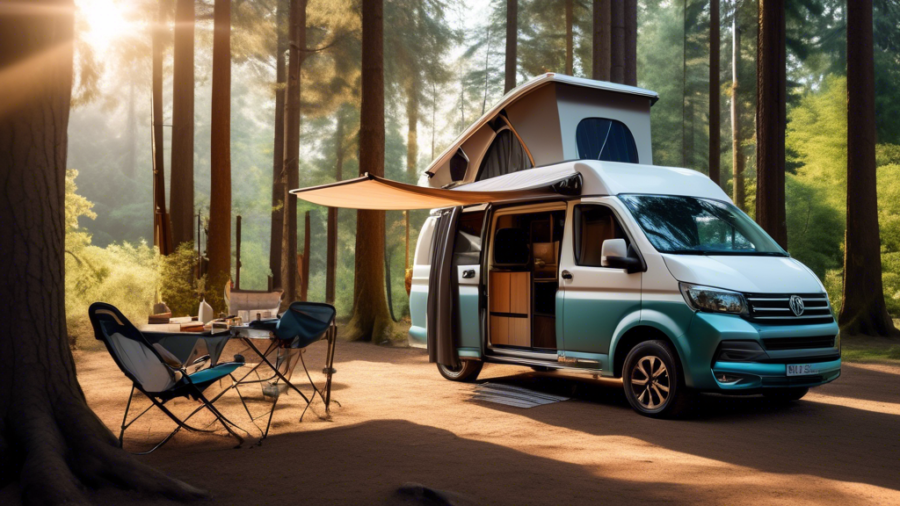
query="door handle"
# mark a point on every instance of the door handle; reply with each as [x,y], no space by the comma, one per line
[567,275]
[468,274]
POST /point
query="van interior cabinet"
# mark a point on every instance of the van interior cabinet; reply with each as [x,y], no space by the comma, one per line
[510,308]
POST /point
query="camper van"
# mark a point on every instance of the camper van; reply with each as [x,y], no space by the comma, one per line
[556,244]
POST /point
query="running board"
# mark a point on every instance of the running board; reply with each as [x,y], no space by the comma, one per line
[560,364]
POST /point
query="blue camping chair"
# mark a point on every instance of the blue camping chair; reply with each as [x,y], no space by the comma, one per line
[159,374]
[303,324]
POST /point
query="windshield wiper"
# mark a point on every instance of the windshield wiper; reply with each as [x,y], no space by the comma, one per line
[712,252]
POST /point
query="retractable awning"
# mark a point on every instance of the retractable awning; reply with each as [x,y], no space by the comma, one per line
[377,193]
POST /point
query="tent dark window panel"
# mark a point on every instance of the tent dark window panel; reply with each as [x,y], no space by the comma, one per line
[505,156]
[605,139]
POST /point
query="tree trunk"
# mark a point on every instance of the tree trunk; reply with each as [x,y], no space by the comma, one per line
[181,200]
[684,91]
[332,233]
[218,245]
[371,320]
[512,32]
[771,120]
[617,41]
[600,43]
[278,149]
[863,310]
[631,42]
[714,100]
[131,133]
[736,148]
[50,440]
[297,36]
[570,50]
[412,142]
[304,275]
[161,225]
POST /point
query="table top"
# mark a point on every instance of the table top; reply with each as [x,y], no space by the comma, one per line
[244,331]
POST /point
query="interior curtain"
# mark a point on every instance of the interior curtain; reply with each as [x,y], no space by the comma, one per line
[442,342]
[506,155]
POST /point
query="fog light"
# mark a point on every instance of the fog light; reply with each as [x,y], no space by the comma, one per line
[740,351]
[728,378]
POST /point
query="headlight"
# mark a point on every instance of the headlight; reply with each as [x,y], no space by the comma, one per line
[714,300]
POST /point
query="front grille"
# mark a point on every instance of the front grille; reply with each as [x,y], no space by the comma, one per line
[798,343]
[775,309]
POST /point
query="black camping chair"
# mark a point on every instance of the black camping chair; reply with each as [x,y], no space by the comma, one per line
[303,324]
[157,373]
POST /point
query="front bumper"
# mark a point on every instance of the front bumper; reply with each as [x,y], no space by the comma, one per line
[755,375]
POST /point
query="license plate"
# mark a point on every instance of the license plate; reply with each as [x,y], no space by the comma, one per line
[802,369]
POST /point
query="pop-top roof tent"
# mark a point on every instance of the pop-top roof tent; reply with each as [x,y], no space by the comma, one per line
[547,120]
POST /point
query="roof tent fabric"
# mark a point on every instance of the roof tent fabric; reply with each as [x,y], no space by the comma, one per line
[441,306]
[377,193]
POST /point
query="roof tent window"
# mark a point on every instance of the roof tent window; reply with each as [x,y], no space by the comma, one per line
[605,139]
[505,156]
[459,164]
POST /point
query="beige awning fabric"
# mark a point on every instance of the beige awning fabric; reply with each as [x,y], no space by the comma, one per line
[377,193]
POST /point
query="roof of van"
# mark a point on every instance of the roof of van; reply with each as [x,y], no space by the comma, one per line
[526,88]
[608,178]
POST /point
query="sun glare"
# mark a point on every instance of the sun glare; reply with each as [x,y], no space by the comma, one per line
[104,20]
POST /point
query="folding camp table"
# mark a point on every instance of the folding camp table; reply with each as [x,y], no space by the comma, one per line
[255,336]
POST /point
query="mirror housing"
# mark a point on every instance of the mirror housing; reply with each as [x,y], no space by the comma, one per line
[616,254]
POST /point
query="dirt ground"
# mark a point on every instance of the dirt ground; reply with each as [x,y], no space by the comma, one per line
[400,423]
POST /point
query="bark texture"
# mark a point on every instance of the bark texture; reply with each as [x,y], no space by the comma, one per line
[863,310]
[181,196]
[277,223]
[771,120]
[512,32]
[297,37]
[412,134]
[737,151]
[600,43]
[162,232]
[631,42]
[570,38]
[617,41]
[50,440]
[218,245]
[332,230]
[715,135]
[371,320]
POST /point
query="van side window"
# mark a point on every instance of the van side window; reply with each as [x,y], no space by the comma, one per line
[505,155]
[605,139]
[467,248]
[594,224]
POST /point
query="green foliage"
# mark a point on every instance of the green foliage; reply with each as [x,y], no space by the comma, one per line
[178,286]
[814,228]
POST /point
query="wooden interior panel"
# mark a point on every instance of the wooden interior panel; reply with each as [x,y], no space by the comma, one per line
[520,293]
[520,332]
[499,292]
[544,332]
[500,330]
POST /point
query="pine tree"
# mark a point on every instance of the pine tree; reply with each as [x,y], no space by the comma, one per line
[181,195]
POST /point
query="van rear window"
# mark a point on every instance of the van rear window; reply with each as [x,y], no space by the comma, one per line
[605,139]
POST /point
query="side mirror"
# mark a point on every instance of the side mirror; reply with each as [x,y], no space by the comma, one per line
[614,254]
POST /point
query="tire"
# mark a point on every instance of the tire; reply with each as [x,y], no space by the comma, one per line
[656,365]
[785,394]
[467,372]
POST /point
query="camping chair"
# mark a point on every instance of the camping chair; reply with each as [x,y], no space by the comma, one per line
[301,325]
[158,373]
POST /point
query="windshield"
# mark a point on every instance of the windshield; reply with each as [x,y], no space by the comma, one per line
[697,226]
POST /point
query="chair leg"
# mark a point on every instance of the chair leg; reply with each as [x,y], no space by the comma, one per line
[225,421]
[125,417]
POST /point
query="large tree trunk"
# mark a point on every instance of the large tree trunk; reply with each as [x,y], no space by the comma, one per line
[332,232]
[291,180]
[278,149]
[714,101]
[412,141]
[617,41]
[371,320]
[131,133]
[600,43]
[181,200]
[863,310]
[771,120]
[631,42]
[737,154]
[162,232]
[50,440]
[570,38]
[219,242]
[512,32]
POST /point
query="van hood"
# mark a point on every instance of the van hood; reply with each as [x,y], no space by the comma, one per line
[749,274]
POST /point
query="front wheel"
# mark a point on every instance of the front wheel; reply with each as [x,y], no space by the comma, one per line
[654,385]
[466,371]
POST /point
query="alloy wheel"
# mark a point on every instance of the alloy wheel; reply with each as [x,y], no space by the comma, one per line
[650,382]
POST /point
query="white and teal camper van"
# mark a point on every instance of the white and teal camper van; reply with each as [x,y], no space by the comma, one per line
[555,243]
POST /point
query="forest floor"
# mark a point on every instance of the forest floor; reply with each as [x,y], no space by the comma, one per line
[400,423]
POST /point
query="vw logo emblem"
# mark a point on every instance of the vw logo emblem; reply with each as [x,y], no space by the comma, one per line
[797,305]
